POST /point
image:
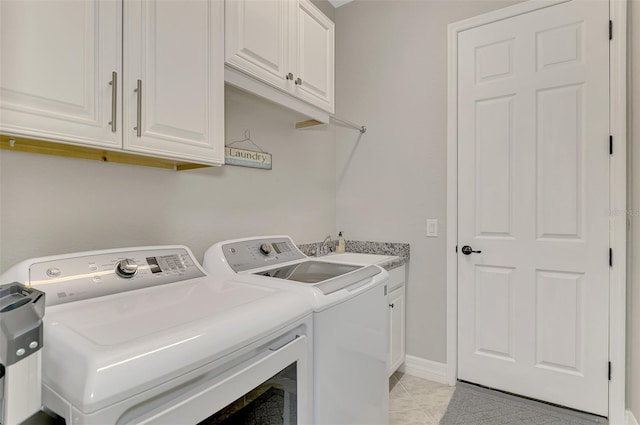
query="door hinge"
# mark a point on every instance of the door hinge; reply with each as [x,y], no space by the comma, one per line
[609,371]
[610,145]
[610,257]
[456,248]
[610,30]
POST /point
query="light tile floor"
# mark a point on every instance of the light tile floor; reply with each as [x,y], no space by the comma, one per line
[416,401]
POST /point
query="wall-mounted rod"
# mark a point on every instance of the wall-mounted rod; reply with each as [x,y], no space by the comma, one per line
[361,128]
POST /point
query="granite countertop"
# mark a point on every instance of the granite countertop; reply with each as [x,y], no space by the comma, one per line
[401,251]
[392,264]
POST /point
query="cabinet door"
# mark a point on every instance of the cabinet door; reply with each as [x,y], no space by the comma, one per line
[257,39]
[58,58]
[314,56]
[397,329]
[174,81]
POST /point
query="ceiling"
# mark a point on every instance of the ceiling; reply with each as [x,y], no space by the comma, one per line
[338,3]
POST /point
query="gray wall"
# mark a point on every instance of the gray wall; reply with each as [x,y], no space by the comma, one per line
[391,75]
[633,286]
[54,205]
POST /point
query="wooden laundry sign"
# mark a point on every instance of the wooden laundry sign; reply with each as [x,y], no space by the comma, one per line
[246,158]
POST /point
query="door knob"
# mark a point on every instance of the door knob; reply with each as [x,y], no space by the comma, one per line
[467,250]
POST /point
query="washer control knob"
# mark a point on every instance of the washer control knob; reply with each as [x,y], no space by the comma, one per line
[53,272]
[265,248]
[126,268]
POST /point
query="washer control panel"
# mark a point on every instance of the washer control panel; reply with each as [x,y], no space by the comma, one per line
[256,253]
[102,273]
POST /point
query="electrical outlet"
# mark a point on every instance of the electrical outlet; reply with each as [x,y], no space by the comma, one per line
[432,227]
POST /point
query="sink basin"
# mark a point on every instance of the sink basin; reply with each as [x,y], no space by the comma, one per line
[356,258]
[310,271]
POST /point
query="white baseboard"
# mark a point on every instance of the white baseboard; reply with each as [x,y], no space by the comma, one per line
[425,369]
[631,420]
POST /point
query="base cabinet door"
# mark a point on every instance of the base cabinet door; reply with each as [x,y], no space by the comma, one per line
[397,328]
[173,98]
[60,70]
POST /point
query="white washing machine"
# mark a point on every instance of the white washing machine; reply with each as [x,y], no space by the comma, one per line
[350,321]
[144,335]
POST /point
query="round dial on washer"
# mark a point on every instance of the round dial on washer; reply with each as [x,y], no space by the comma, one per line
[126,268]
[265,248]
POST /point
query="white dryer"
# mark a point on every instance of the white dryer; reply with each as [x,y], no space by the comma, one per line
[350,321]
[144,335]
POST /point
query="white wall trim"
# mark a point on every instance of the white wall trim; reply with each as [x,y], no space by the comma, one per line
[618,199]
[631,420]
[618,203]
[504,13]
[452,203]
[425,369]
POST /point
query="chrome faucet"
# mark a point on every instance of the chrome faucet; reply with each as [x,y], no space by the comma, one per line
[323,248]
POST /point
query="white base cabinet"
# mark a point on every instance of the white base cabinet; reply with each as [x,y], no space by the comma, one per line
[397,313]
[62,76]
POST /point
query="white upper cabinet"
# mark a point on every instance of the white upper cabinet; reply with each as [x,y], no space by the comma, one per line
[62,75]
[314,66]
[174,79]
[58,62]
[257,39]
[288,44]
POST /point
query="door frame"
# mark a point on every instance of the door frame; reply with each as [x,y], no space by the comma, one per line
[617,184]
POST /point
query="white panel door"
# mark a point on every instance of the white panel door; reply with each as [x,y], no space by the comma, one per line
[58,60]
[174,52]
[533,198]
[314,70]
[257,39]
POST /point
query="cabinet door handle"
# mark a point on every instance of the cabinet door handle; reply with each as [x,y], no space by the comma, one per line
[138,126]
[114,100]
[289,76]
[391,305]
[299,81]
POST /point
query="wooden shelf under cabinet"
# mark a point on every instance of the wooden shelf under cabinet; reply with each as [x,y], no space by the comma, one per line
[21,144]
